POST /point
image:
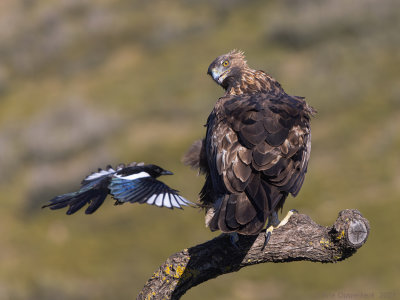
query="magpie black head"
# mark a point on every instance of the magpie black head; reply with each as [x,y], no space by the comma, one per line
[155,171]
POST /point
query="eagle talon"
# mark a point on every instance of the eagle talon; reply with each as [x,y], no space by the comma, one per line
[268,233]
[273,223]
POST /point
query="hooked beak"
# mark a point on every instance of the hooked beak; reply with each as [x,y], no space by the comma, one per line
[217,74]
[165,172]
[209,71]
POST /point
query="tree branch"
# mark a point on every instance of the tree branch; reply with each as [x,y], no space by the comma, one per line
[299,239]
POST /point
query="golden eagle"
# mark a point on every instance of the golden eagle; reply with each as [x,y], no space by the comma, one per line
[256,148]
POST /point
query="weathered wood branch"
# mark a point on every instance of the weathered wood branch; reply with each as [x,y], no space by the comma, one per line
[300,239]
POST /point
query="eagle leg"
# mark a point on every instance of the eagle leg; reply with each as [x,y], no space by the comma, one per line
[273,222]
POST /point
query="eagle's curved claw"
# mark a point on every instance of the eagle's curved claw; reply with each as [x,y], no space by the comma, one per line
[273,223]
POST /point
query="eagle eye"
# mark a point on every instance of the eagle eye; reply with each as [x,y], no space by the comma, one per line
[225,63]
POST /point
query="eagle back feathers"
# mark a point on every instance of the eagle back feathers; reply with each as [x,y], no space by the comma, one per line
[257,148]
[255,152]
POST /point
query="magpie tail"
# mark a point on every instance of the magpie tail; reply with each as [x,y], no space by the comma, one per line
[76,200]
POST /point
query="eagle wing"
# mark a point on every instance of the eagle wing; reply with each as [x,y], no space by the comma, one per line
[260,145]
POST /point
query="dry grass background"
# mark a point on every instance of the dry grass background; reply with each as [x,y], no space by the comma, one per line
[87,83]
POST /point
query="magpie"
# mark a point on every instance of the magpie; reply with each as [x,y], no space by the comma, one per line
[135,182]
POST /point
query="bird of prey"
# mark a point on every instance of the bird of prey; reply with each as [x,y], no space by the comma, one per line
[133,183]
[256,149]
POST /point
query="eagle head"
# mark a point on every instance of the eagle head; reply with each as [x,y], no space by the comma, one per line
[227,66]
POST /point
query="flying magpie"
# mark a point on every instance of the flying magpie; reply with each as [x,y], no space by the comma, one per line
[135,182]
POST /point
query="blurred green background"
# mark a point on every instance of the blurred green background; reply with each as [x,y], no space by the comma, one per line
[88,83]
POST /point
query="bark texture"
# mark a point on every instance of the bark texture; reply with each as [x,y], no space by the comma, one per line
[299,239]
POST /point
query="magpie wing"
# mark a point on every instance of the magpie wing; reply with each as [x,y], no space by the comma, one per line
[146,190]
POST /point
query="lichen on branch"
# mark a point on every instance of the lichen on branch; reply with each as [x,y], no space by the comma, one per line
[299,239]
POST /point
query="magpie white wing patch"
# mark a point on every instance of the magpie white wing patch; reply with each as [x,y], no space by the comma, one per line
[182,201]
[169,200]
[159,200]
[99,174]
[174,202]
[151,200]
[134,176]
[145,189]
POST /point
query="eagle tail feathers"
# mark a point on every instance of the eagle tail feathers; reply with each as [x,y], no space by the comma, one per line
[243,214]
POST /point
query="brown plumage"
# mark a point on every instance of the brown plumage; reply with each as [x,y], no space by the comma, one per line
[256,148]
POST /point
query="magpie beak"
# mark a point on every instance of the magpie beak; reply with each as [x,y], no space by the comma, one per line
[165,172]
